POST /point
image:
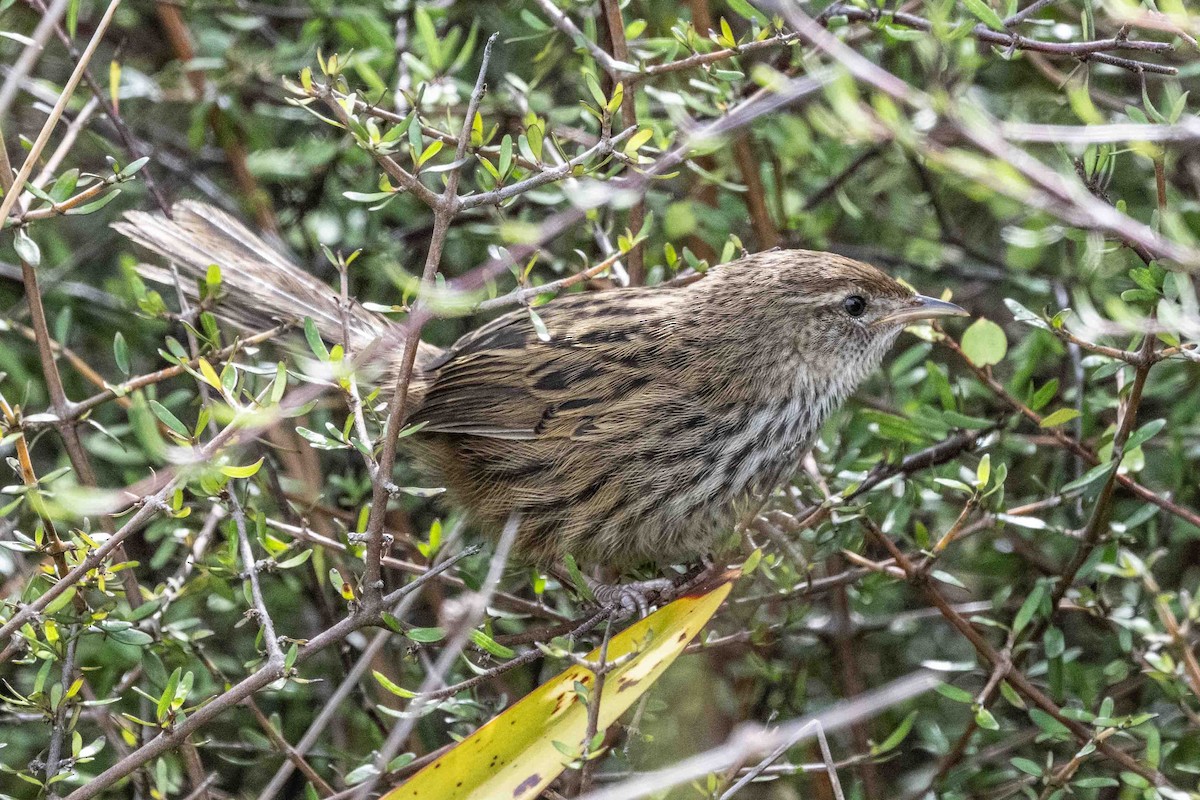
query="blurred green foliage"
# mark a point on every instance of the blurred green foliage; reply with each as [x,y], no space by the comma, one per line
[842,169]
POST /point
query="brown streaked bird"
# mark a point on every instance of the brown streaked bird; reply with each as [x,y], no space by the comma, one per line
[647,422]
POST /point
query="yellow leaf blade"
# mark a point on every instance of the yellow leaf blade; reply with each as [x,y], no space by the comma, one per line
[514,756]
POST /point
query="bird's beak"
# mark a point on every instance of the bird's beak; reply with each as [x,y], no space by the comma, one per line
[922,307]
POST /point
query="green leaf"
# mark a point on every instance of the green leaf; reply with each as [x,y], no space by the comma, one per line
[170,420]
[395,689]
[27,248]
[1044,395]
[425,635]
[636,141]
[242,472]
[432,150]
[1054,642]
[1092,475]
[506,156]
[957,420]
[952,692]
[485,642]
[1026,766]
[133,167]
[594,88]
[985,14]
[897,736]
[539,326]
[95,205]
[295,560]
[429,38]
[984,342]
[164,701]
[743,9]
[947,578]
[121,353]
[983,472]
[131,636]
[726,38]
[1028,608]
[313,337]
[1144,434]
[1063,415]
[60,602]
[1049,725]
[985,720]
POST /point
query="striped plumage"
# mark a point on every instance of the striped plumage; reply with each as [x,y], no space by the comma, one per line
[645,424]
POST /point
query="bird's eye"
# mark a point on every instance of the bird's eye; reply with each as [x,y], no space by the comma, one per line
[855,305]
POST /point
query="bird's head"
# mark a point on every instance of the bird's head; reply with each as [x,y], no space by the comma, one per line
[839,316]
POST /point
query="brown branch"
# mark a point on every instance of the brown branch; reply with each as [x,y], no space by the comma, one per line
[1065,440]
[615,67]
[1097,524]
[248,686]
[1096,50]
[223,126]
[614,24]
[111,111]
[56,548]
[1015,678]
[826,191]
[446,208]
[704,59]
[765,231]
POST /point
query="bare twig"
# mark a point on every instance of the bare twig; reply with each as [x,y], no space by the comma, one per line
[446,208]
[472,613]
[1096,50]
[750,742]
[39,144]
[248,686]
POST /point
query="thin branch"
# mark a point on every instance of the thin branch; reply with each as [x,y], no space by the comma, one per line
[613,66]
[1096,50]
[263,616]
[248,686]
[748,741]
[445,210]
[1026,12]
[596,692]
[520,296]
[39,144]
[474,610]
[602,149]
[1097,524]
[614,25]
[1015,678]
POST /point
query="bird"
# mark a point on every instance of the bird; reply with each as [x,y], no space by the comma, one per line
[637,425]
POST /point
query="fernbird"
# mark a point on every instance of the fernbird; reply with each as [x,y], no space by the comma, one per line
[642,427]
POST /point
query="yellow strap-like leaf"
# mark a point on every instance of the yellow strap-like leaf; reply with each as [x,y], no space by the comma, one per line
[513,756]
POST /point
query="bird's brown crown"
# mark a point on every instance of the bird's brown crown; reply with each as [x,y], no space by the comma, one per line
[813,275]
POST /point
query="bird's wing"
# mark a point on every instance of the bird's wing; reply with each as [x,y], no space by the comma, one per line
[505,382]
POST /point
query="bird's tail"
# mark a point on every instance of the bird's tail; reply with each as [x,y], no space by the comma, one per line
[263,287]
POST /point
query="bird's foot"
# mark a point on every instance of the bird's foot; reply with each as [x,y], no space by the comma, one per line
[630,598]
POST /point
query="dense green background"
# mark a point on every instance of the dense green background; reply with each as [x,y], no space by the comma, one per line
[836,171]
